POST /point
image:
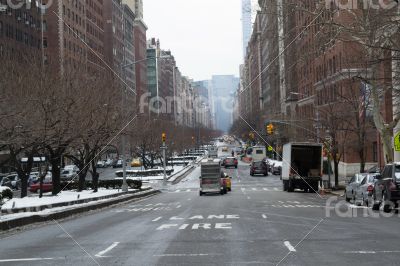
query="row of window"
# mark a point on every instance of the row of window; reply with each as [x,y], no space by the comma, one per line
[19,35]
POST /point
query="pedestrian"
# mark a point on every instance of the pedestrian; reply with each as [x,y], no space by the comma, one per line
[233,153]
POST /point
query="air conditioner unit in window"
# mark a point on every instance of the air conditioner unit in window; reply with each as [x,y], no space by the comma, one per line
[27,22]
[19,18]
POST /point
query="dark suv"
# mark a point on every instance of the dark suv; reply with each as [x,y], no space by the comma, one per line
[387,188]
[259,168]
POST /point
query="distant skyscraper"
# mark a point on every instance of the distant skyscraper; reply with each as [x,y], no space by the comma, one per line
[223,89]
[246,23]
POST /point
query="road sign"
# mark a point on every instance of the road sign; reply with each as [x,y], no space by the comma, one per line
[397,142]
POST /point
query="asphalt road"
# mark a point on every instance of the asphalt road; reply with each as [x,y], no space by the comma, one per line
[256,224]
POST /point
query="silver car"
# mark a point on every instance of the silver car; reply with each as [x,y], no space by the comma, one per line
[365,189]
[352,186]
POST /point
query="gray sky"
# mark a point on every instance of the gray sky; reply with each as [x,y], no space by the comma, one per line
[204,35]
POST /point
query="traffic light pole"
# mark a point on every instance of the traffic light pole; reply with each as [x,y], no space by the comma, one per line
[165,165]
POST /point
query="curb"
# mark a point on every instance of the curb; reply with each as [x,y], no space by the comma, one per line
[183,175]
[67,203]
[335,193]
[36,218]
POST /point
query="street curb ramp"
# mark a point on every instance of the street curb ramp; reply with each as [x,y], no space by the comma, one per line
[37,218]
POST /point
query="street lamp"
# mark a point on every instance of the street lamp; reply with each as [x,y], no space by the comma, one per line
[123,144]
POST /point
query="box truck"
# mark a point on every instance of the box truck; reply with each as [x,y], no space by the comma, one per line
[302,166]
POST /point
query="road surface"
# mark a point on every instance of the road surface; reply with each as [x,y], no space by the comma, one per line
[255,224]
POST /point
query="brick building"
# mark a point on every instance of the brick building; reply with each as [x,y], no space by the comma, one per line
[20,29]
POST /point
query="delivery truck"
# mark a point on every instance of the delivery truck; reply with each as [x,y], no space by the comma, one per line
[301,166]
[210,177]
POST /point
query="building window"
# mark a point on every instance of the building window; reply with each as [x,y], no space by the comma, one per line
[44,42]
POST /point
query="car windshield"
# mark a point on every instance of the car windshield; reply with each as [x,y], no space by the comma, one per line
[257,164]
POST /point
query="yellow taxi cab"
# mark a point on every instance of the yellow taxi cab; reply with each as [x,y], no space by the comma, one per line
[136,162]
[227,182]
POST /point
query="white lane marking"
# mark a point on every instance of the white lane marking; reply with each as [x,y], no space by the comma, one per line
[178,190]
[184,255]
[248,197]
[289,246]
[178,206]
[266,189]
[188,190]
[156,219]
[101,253]
[264,216]
[254,189]
[189,199]
[28,259]
[276,189]
[361,252]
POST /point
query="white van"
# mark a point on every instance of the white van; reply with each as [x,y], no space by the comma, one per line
[258,153]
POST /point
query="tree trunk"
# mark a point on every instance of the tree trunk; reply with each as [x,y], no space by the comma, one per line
[55,162]
[95,177]
[336,170]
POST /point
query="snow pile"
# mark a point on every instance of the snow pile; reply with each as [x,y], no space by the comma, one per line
[4,188]
[64,196]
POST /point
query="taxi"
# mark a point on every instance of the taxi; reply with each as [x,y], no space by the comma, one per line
[226,181]
[136,162]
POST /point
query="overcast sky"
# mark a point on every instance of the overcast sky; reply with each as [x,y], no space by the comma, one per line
[204,35]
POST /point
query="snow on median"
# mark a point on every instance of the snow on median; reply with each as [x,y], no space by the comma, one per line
[63,197]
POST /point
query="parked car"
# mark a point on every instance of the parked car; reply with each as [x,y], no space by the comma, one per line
[230,162]
[387,188]
[364,191]
[68,174]
[47,186]
[109,162]
[352,186]
[101,164]
[12,181]
[276,168]
[71,167]
[117,164]
[259,168]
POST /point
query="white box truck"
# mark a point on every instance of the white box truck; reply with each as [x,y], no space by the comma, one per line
[210,179]
[302,166]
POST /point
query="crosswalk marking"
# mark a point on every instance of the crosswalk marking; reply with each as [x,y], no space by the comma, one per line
[254,189]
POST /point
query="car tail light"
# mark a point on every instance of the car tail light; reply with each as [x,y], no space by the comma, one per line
[392,186]
[370,188]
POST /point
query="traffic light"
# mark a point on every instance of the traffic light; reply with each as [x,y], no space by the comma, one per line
[251,135]
[270,129]
[163,137]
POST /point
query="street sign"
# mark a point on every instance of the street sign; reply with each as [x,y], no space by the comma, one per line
[397,142]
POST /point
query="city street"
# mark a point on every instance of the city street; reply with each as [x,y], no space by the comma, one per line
[256,223]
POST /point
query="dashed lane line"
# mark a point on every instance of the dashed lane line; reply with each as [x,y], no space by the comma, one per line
[101,253]
[289,246]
